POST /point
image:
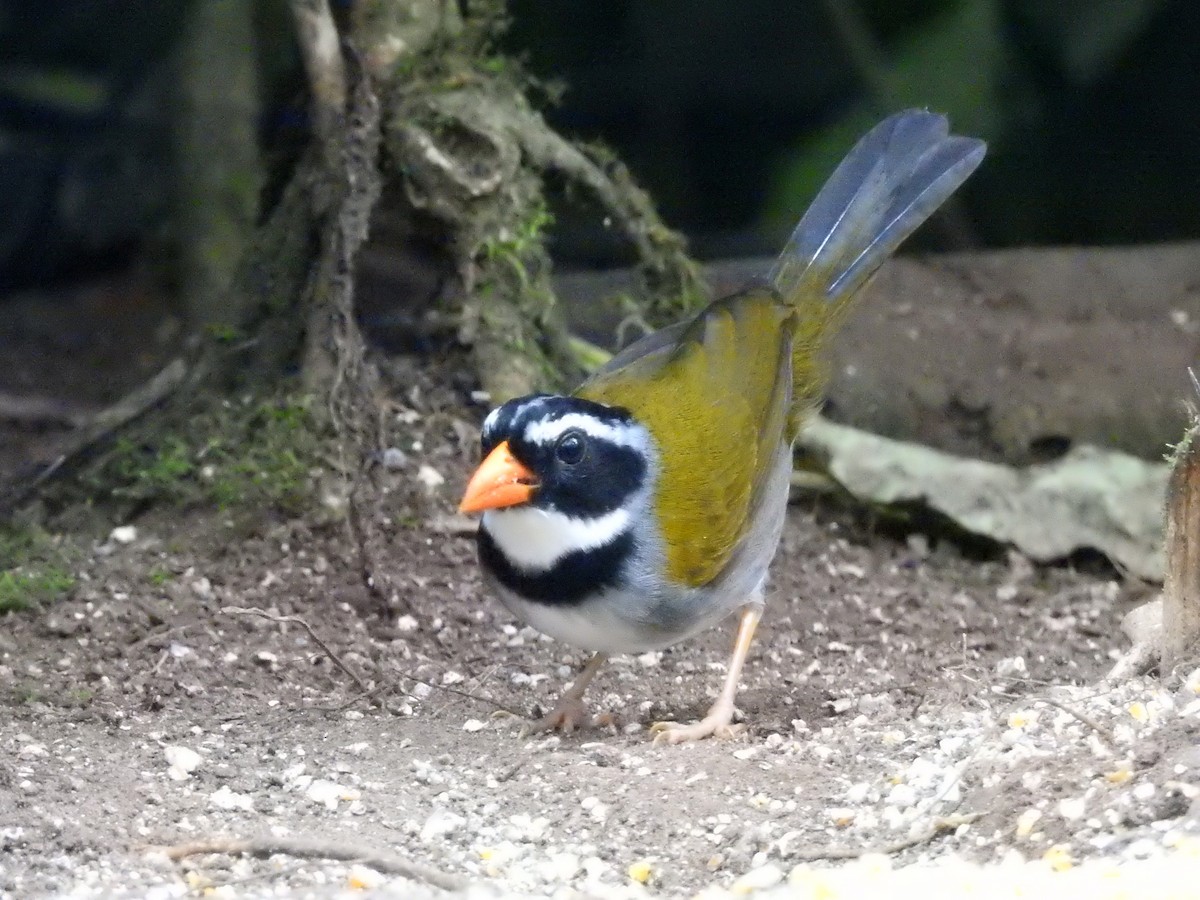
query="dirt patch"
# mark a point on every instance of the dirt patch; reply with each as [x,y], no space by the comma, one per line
[887,675]
[903,694]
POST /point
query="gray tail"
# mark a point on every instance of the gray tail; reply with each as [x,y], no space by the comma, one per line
[895,177]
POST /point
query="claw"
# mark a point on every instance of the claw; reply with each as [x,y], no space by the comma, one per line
[566,716]
[717,726]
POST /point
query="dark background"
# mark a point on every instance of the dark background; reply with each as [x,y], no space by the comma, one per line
[731,113]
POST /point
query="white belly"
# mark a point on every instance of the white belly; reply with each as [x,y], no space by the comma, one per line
[618,621]
[648,615]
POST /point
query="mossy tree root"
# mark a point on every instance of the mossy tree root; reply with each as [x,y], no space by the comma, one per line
[474,155]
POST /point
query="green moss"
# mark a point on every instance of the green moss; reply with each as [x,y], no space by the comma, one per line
[254,453]
[513,261]
[33,569]
[21,590]
[80,697]
[224,334]
[159,577]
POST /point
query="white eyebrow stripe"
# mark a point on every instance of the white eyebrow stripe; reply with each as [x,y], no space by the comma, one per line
[490,422]
[533,539]
[546,432]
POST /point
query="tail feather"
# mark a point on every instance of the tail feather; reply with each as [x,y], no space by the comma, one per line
[892,181]
[886,187]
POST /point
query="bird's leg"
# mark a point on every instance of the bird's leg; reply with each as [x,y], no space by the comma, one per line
[719,721]
[570,713]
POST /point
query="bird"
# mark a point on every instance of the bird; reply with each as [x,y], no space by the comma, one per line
[647,505]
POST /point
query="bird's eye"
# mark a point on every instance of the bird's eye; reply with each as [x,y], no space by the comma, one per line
[569,448]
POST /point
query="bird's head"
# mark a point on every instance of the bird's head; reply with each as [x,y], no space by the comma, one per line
[561,454]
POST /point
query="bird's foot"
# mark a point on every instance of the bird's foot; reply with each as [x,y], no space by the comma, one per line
[718,723]
[568,714]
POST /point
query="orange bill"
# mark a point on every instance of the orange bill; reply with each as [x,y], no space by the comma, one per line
[499,481]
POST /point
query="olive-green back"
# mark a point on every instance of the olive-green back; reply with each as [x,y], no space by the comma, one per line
[717,403]
[722,393]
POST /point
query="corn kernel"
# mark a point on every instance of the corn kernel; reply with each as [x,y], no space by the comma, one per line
[640,871]
[1139,712]
[360,878]
[1022,718]
[1118,776]
[1059,858]
[1026,821]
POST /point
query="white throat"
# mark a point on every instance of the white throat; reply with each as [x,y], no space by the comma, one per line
[534,539]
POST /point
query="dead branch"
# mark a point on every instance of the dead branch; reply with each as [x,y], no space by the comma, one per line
[306,848]
[466,695]
[296,620]
[30,410]
[936,827]
[321,47]
[102,425]
[674,282]
[334,364]
[1103,733]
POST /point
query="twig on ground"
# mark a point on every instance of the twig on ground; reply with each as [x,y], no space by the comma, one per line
[467,695]
[1138,660]
[936,827]
[103,424]
[337,661]
[296,620]
[470,692]
[355,700]
[155,638]
[305,848]
[1103,733]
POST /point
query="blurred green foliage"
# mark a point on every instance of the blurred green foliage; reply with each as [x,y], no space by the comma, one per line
[733,114]
[953,64]
[960,60]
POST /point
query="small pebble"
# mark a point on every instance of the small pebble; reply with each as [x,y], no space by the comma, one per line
[181,761]
[124,534]
[430,477]
[394,458]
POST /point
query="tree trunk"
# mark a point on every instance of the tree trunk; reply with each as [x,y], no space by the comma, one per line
[218,168]
[1181,591]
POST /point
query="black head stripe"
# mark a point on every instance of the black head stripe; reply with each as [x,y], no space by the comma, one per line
[613,465]
[568,582]
[501,423]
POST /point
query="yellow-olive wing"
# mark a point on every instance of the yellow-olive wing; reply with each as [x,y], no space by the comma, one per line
[716,399]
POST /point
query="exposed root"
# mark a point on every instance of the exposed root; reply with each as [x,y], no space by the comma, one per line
[473,157]
[321,48]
